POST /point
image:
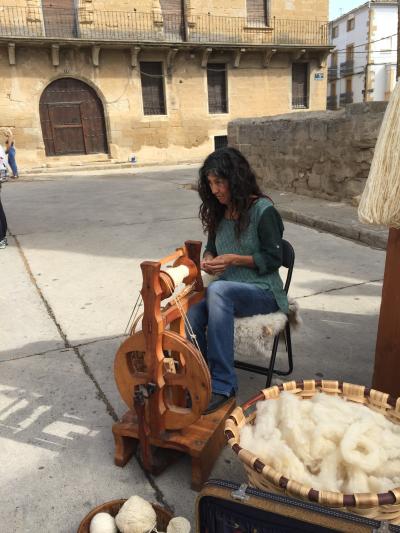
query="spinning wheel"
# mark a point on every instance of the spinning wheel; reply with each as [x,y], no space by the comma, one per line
[185,370]
[163,378]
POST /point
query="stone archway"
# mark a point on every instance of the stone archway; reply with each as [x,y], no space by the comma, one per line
[72,119]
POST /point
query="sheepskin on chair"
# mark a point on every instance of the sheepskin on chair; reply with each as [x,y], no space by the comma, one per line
[254,335]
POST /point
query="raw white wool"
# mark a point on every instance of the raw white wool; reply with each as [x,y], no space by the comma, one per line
[326,443]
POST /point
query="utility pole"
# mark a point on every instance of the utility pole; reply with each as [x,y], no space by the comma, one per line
[387,355]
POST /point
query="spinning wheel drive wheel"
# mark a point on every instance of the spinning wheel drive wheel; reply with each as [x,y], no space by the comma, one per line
[184,370]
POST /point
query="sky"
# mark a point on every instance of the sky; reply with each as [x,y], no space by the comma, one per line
[339,7]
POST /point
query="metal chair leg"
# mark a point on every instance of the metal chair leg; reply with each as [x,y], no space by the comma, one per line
[288,338]
[272,361]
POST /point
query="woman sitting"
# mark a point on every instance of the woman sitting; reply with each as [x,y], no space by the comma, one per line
[244,250]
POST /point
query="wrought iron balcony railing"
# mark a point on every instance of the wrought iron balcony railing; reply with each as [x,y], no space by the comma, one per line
[346,98]
[84,23]
[347,68]
[332,103]
[332,73]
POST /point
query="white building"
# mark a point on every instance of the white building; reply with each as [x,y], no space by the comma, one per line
[362,67]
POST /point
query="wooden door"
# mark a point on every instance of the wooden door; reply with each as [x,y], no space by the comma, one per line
[72,119]
[172,12]
[299,85]
[59,18]
[67,131]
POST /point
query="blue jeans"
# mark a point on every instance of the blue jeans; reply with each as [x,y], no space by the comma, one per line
[11,160]
[212,321]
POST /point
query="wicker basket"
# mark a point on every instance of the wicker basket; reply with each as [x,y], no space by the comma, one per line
[163,516]
[385,506]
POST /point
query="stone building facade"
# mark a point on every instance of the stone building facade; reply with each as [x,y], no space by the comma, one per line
[160,79]
[362,66]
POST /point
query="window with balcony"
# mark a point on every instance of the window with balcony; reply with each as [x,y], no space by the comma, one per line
[350,52]
[347,67]
[332,98]
[347,97]
[333,68]
[217,88]
[351,24]
[172,12]
[257,12]
[59,18]
[300,86]
[152,78]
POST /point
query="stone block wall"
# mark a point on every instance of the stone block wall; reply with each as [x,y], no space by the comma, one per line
[325,154]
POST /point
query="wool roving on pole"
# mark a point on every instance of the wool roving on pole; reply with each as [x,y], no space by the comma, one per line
[380,201]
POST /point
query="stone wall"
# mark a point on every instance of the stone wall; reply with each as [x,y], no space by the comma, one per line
[326,154]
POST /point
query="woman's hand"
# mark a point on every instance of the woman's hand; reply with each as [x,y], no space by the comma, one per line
[218,264]
[204,266]
[204,263]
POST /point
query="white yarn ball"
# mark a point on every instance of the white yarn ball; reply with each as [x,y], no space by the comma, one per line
[136,516]
[179,524]
[103,523]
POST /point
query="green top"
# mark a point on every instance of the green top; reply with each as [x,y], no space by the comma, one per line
[262,239]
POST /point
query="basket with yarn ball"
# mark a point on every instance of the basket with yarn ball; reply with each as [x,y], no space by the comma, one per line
[134,515]
[382,422]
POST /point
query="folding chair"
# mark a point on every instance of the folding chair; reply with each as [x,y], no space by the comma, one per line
[288,262]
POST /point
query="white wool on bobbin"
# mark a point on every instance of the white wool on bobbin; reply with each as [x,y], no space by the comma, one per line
[136,516]
[380,201]
[178,274]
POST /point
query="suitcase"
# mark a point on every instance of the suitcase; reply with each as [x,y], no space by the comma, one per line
[227,507]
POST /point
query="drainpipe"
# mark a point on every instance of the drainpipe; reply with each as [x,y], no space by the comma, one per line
[185,20]
[398,40]
[366,84]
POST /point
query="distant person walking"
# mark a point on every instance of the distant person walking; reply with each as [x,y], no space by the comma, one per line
[4,135]
[3,220]
[10,151]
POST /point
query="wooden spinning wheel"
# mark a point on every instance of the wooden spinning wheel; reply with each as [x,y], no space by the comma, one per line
[164,379]
[187,370]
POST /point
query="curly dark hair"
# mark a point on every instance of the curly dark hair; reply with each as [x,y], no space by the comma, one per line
[230,164]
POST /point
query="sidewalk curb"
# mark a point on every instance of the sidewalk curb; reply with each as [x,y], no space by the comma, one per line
[354,233]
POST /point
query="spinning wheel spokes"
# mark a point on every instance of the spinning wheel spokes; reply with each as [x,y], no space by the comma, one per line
[190,376]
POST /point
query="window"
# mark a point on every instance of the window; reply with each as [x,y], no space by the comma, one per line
[335,32]
[300,85]
[349,86]
[217,93]
[257,12]
[334,62]
[151,74]
[350,52]
[351,24]
[220,141]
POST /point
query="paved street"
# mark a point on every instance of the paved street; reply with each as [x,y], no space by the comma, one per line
[69,279]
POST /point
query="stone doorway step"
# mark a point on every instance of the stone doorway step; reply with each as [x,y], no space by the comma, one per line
[71,164]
